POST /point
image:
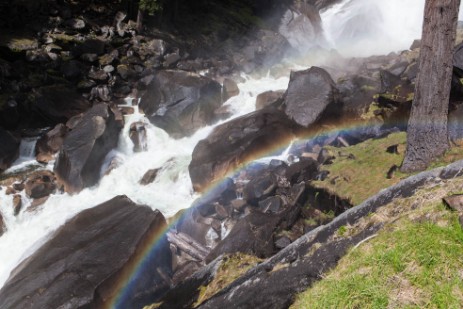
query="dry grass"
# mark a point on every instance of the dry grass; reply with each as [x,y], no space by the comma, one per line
[231,268]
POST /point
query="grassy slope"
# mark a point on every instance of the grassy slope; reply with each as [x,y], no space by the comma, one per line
[359,178]
[414,262]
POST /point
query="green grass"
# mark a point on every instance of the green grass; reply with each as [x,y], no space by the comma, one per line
[359,178]
[348,177]
[411,264]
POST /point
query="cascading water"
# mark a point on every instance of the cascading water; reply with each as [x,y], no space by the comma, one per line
[367,27]
[170,192]
[398,21]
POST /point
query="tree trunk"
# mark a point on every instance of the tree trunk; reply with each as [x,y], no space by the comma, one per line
[427,133]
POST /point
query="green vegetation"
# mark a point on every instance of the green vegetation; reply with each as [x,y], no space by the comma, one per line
[232,267]
[415,262]
[358,178]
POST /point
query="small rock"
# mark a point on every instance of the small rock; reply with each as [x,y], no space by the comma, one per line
[36,203]
[19,186]
[138,136]
[171,59]
[40,184]
[127,110]
[230,89]
[221,211]
[272,204]
[149,176]
[100,75]
[89,57]
[76,24]
[108,68]
[268,98]
[282,242]
[455,202]
[17,204]
[238,204]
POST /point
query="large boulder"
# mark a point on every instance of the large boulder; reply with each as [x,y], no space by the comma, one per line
[9,151]
[83,263]
[311,93]
[85,147]
[180,102]
[238,141]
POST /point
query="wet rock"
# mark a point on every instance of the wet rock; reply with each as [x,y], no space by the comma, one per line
[36,203]
[310,94]
[17,204]
[72,269]
[235,142]
[181,102]
[108,58]
[101,92]
[268,98]
[84,149]
[125,71]
[259,188]
[221,193]
[304,170]
[149,176]
[252,235]
[230,89]
[49,144]
[18,186]
[9,151]
[40,184]
[57,104]
[138,136]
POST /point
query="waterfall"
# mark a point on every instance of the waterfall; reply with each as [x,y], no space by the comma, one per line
[367,27]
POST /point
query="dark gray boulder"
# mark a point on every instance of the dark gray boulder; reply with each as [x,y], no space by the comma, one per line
[180,102]
[236,142]
[83,262]
[85,147]
[9,151]
[252,235]
[311,94]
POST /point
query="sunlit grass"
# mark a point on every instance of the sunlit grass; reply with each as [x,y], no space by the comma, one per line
[410,264]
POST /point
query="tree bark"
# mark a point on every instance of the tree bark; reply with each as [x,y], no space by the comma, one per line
[427,133]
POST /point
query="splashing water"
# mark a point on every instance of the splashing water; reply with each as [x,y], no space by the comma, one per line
[367,27]
[27,231]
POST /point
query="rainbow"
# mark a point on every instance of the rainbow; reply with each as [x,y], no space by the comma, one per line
[125,284]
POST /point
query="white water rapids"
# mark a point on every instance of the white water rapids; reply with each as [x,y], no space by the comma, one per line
[398,20]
